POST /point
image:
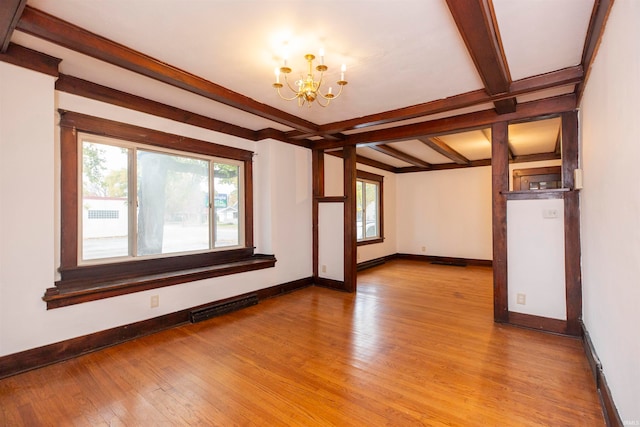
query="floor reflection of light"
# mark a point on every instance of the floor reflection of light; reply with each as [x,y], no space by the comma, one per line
[365,341]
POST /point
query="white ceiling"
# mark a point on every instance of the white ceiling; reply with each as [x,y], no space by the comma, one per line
[398,53]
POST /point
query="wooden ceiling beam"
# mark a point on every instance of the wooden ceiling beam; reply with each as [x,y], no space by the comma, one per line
[475,22]
[400,155]
[55,30]
[566,76]
[445,149]
[31,59]
[469,121]
[599,16]
[366,161]
[10,13]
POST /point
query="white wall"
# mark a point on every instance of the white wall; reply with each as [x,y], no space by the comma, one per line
[29,247]
[535,257]
[447,212]
[610,206]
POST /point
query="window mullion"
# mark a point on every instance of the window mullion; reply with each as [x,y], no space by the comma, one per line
[133,201]
[212,209]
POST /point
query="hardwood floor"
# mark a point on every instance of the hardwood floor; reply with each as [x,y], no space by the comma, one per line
[415,346]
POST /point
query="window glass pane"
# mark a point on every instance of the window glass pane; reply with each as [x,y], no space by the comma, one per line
[359,209]
[105,225]
[173,203]
[226,206]
[371,210]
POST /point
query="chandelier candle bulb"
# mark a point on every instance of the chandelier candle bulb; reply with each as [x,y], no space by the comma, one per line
[321,56]
[277,73]
[343,69]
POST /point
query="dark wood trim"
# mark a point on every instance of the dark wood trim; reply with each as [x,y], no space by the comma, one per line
[443,148]
[331,199]
[536,195]
[539,323]
[500,185]
[369,242]
[535,157]
[445,260]
[317,184]
[369,175]
[366,161]
[86,89]
[597,24]
[278,135]
[360,174]
[10,13]
[364,265]
[30,59]
[468,121]
[397,154]
[55,30]
[609,410]
[77,292]
[86,283]
[566,76]
[323,282]
[42,356]
[572,251]
[445,166]
[248,204]
[99,126]
[476,26]
[374,163]
[350,236]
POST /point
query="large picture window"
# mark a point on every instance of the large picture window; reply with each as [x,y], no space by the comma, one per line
[368,208]
[171,209]
[142,209]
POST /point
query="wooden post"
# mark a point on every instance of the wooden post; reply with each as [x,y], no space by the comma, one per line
[317,171]
[572,252]
[500,186]
[350,247]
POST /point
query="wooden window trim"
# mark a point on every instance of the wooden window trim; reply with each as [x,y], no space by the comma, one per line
[379,179]
[81,283]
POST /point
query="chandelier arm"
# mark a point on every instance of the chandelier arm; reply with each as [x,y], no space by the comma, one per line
[284,97]
[296,91]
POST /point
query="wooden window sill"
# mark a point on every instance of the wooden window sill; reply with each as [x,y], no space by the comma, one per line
[557,193]
[61,296]
[369,242]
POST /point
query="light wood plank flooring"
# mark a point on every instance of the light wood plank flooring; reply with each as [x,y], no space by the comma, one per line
[415,346]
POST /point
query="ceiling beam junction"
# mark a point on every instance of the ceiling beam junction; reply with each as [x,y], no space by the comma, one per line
[475,22]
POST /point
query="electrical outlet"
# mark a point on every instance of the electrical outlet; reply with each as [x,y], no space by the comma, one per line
[324,268]
[155,301]
[424,249]
[521,299]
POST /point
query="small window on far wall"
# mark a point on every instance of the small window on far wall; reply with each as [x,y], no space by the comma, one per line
[369,223]
[532,179]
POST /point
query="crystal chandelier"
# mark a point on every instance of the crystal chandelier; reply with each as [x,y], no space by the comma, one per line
[307,88]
